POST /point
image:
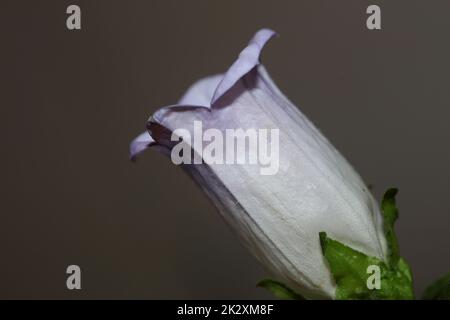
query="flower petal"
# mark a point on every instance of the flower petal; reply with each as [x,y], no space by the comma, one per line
[248,58]
[201,92]
[140,143]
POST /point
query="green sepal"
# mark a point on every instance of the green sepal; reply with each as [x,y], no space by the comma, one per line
[390,215]
[280,290]
[438,290]
[350,268]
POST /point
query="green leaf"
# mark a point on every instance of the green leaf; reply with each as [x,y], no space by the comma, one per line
[390,215]
[351,273]
[438,290]
[280,290]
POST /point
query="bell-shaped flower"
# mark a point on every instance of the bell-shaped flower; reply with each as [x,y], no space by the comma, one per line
[279,193]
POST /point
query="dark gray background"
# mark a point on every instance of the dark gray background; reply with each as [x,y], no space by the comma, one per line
[72,101]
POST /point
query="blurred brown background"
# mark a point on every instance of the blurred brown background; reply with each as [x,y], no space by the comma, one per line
[71,101]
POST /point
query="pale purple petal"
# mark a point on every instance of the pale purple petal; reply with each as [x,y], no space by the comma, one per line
[201,92]
[248,58]
[140,143]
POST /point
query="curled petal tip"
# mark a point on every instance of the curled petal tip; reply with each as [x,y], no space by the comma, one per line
[139,144]
[247,60]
